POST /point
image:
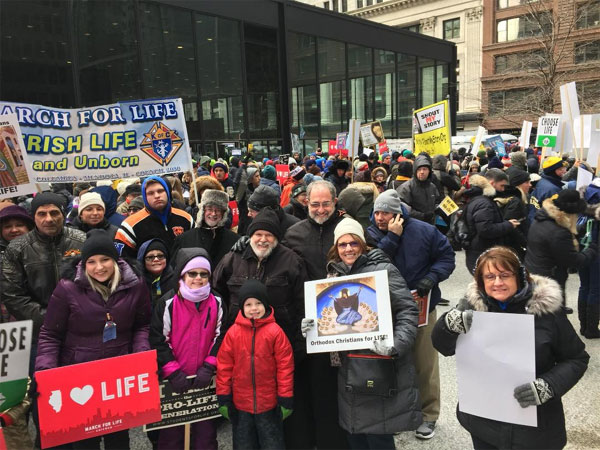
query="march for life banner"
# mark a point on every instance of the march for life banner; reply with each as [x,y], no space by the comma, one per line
[99,397]
[15,345]
[121,140]
[432,133]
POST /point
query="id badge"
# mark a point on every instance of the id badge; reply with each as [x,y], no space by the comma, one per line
[110,330]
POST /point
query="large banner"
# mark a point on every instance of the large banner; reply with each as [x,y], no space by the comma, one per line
[122,140]
[15,345]
[433,129]
[16,177]
[99,397]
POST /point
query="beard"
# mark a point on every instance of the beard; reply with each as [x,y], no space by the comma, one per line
[321,219]
[261,251]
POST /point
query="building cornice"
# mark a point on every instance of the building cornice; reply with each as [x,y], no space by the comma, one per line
[387,7]
[474,14]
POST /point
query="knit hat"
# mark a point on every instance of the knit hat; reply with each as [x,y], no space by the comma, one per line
[298,189]
[16,212]
[298,173]
[569,201]
[384,155]
[519,159]
[553,163]
[405,169]
[517,176]
[251,171]
[481,154]
[291,161]
[262,197]
[213,197]
[254,289]
[269,173]
[266,220]
[495,163]
[133,189]
[47,198]
[388,201]
[199,262]
[362,165]
[204,159]
[88,199]
[222,165]
[98,242]
[137,202]
[309,178]
[348,226]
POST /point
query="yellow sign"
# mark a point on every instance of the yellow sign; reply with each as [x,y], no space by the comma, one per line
[433,134]
[448,206]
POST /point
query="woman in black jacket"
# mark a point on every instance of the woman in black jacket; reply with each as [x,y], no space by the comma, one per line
[503,285]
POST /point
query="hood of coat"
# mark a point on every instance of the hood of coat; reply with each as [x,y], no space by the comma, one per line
[422,161]
[478,181]
[257,323]
[109,197]
[184,255]
[440,162]
[74,270]
[563,219]
[374,257]
[546,297]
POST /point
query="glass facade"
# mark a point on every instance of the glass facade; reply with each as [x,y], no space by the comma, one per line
[227,70]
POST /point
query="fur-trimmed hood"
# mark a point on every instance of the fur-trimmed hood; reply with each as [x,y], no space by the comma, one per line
[482,183]
[546,297]
[563,219]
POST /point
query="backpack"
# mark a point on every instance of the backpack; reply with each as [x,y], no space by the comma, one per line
[460,234]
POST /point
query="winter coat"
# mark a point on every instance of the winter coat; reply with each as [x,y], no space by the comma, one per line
[104,225]
[446,182]
[484,218]
[312,242]
[286,220]
[544,188]
[157,285]
[514,204]
[272,184]
[421,251]
[109,197]
[357,200]
[421,196]
[284,275]
[560,359]
[361,413]
[216,241]
[31,271]
[184,334]
[255,364]
[76,316]
[286,191]
[552,246]
[340,183]
[296,209]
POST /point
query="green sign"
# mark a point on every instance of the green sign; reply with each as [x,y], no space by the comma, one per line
[547,131]
[15,345]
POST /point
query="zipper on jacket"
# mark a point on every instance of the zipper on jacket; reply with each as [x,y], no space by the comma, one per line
[252,365]
[207,317]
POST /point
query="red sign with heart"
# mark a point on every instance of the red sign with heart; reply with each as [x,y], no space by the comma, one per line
[99,397]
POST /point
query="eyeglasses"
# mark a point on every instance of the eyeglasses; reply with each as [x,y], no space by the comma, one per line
[193,274]
[316,205]
[352,244]
[151,258]
[132,210]
[490,277]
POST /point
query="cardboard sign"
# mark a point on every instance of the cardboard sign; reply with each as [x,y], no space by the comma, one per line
[353,138]
[371,133]
[525,134]
[448,206]
[235,213]
[121,140]
[423,305]
[283,173]
[284,159]
[194,405]
[497,144]
[344,152]
[99,397]
[383,147]
[350,312]
[16,176]
[295,143]
[15,346]
[433,129]
[331,147]
[340,139]
[548,126]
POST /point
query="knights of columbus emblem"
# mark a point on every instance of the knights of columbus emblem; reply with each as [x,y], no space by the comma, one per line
[161,143]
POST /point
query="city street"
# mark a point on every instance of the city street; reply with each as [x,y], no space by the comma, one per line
[582,403]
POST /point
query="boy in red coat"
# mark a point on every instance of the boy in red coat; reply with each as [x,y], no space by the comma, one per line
[255,373]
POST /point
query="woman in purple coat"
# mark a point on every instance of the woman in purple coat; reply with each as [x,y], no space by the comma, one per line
[99,309]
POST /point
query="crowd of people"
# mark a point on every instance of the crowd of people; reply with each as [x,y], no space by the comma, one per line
[209,269]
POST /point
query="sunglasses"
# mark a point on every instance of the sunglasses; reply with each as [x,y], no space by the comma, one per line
[352,244]
[151,258]
[194,274]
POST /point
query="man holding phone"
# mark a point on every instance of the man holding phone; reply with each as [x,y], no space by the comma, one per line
[425,258]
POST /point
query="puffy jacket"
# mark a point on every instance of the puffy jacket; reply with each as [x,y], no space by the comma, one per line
[514,204]
[421,251]
[104,225]
[421,196]
[157,285]
[340,183]
[552,246]
[545,188]
[296,209]
[284,275]
[76,316]
[272,184]
[286,192]
[312,241]
[31,271]
[186,335]
[255,365]
[216,241]
[360,413]
[560,359]
[357,201]
[444,181]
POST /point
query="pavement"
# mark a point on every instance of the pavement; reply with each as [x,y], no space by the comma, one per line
[581,404]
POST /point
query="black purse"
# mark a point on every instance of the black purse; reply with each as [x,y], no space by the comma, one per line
[369,374]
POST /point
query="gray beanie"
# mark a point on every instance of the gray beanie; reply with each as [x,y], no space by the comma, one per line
[388,201]
[519,159]
[216,198]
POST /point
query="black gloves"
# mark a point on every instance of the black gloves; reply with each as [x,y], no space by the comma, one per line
[179,382]
[424,286]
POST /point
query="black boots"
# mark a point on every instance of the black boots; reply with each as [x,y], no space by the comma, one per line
[591,324]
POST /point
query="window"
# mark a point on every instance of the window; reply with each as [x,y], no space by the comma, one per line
[451,29]
[523,27]
[588,15]
[359,4]
[416,28]
[344,5]
[587,52]
[506,102]
[326,5]
[500,4]
[369,2]
[336,5]
[517,62]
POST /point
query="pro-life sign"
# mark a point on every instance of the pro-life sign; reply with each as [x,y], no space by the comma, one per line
[15,345]
[548,126]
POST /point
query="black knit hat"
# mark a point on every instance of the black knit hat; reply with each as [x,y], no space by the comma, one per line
[158,244]
[133,189]
[569,201]
[98,242]
[517,177]
[266,220]
[254,289]
[47,198]
[262,197]
[405,169]
[298,189]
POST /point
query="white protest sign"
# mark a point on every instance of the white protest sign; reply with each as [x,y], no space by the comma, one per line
[353,138]
[492,359]
[594,150]
[569,101]
[525,134]
[548,126]
[564,140]
[350,312]
[584,178]
[432,118]
[16,176]
[15,346]
[481,132]
[582,131]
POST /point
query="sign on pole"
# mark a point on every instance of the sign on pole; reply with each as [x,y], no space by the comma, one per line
[525,134]
[481,132]
[433,129]
[497,143]
[15,346]
[295,143]
[353,137]
[16,175]
[548,126]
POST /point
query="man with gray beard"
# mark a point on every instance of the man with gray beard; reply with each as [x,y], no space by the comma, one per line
[276,266]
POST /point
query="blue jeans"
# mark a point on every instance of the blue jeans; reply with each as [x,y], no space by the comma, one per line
[253,431]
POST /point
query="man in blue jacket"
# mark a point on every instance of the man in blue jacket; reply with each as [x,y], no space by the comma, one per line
[551,183]
[425,258]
